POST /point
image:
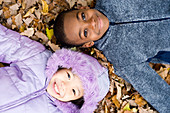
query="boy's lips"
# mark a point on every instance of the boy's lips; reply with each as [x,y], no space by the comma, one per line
[100,24]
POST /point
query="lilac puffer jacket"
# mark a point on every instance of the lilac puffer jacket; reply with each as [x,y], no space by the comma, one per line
[23,84]
[25,77]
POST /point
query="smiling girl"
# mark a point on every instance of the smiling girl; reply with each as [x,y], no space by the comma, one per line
[38,81]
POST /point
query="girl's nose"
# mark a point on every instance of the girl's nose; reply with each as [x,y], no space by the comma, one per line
[62,89]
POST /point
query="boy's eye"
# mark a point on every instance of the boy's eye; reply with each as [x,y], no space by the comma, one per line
[74,92]
[85,32]
[83,16]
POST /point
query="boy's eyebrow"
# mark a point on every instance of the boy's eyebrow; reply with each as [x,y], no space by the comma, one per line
[80,34]
[78,20]
[77,16]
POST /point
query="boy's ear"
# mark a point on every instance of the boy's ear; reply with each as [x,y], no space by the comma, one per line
[83,7]
[88,44]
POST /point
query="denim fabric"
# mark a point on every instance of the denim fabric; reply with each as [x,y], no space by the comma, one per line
[138,31]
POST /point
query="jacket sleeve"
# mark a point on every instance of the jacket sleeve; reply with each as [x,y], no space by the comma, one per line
[150,85]
[15,47]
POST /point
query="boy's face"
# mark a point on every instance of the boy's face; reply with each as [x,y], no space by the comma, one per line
[65,86]
[85,26]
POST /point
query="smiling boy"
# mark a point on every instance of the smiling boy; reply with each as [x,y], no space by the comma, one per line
[130,33]
[89,25]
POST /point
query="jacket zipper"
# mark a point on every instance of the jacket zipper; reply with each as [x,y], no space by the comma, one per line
[22,100]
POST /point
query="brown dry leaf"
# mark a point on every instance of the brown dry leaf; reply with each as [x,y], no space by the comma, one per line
[22,28]
[139,100]
[115,101]
[27,21]
[1,65]
[142,110]
[9,21]
[38,13]
[30,11]
[6,12]
[82,2]
[1,11]
[7,0]
[128,111]
[100,55]
[53,46]
[18,19]
[71,2]
[15,7]
[168,79]
[29,3]
[1,2]
[29,32]
[42,36]
[163,72]
[119,91]
[132,102]
[106,109]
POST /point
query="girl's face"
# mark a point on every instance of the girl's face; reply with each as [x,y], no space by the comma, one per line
[65,86]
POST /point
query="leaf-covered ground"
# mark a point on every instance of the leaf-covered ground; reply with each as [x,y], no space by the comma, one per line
[34,18]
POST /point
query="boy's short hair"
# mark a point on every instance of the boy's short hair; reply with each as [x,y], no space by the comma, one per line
[59,32]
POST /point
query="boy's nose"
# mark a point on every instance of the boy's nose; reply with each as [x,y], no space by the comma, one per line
[92,23]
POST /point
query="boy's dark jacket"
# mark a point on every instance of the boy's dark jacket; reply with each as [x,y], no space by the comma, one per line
[138,30]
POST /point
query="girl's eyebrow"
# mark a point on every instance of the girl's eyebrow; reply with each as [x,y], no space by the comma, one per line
[77,87]
[78,92]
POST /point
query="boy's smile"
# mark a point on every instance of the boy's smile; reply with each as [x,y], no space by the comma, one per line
[65,86]
[85,26]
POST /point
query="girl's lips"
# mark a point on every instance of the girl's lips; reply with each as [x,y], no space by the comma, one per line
[56,88]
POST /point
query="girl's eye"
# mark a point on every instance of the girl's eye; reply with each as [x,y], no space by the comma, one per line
[68,75]
[83,16]
[85,32]
[74,92]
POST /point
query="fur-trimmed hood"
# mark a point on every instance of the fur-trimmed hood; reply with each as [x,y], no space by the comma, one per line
[94,78]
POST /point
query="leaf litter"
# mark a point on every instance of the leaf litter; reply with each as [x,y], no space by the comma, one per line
[34,18]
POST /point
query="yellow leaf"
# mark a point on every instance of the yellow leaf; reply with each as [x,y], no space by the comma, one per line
[127,107]
[140,100]
[73,48]
[45,7]
[29,12]
[49,33]
[115,101]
